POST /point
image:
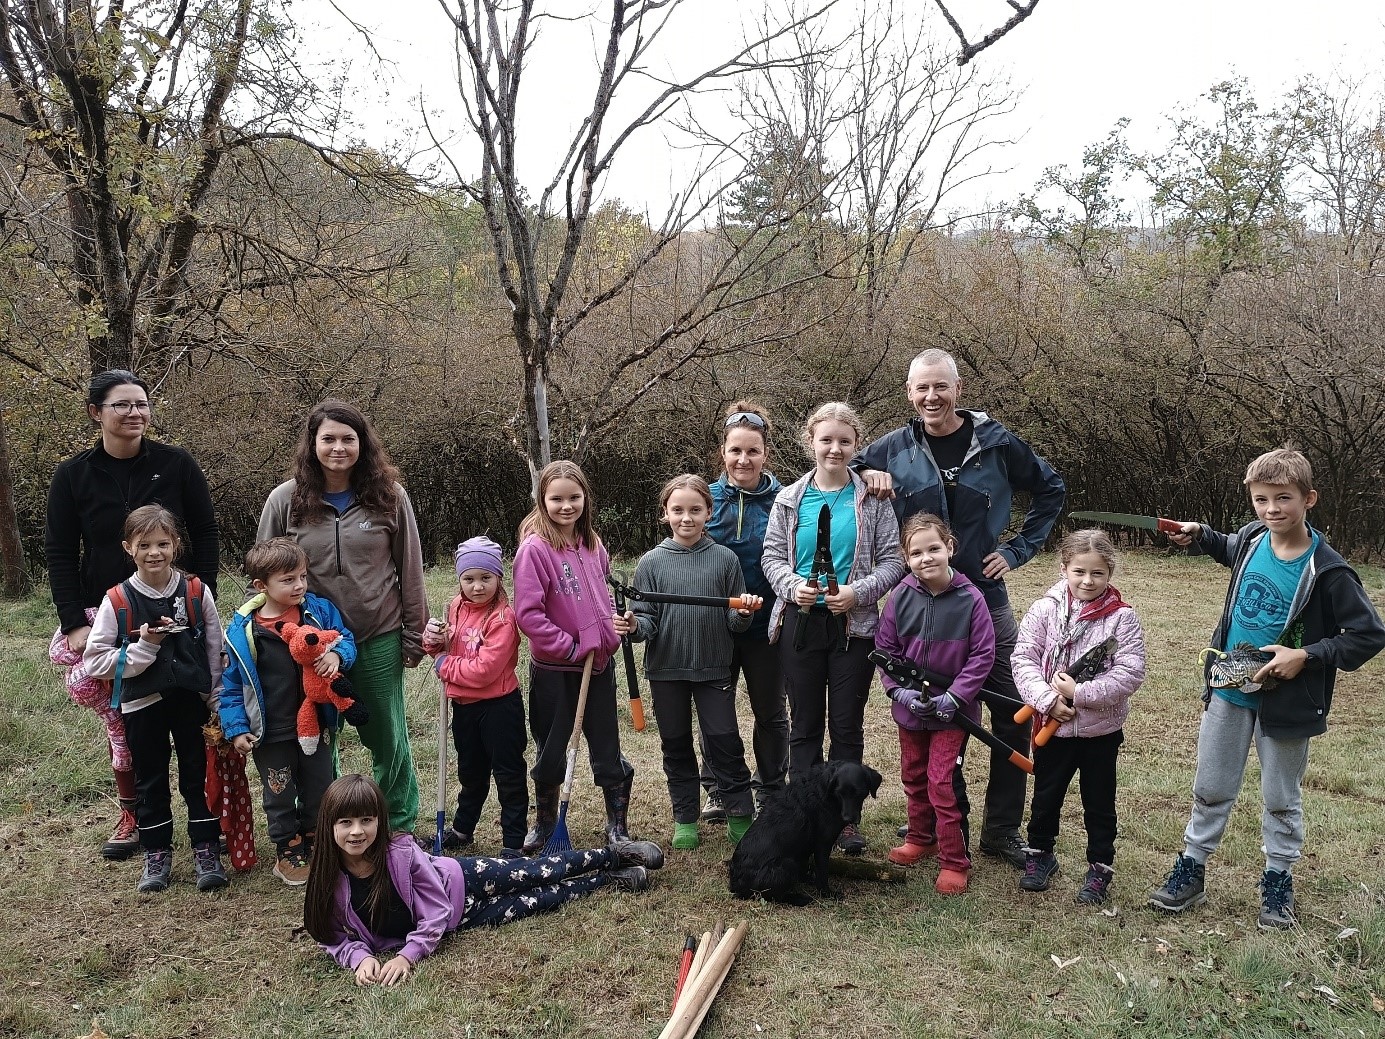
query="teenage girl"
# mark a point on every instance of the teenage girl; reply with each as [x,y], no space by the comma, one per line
[378,905]
[688,660]
[741,501]
[564,609]
[826,638]
[165,682]
[477,649]
[1081,611]
[938,620]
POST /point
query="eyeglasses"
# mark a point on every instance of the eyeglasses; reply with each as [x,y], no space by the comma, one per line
[124,407]
[744,418]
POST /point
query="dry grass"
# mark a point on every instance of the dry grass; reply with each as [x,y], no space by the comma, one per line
[887,960]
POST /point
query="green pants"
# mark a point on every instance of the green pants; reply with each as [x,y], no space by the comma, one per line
[377,680]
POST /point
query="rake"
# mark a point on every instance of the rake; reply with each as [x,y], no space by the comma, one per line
[558,840]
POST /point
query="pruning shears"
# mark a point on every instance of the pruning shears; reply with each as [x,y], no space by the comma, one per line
[824,575]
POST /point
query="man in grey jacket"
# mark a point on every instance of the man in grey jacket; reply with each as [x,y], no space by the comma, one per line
[965,466]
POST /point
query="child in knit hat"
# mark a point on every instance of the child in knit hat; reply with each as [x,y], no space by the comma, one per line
[476,650]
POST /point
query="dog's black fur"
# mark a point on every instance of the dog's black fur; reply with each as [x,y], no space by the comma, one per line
[796,829]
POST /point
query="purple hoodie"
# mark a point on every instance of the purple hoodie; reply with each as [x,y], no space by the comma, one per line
[563,606]
[432,888]
[949,633]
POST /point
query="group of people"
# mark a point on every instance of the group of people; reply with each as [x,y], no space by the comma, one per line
[915,519]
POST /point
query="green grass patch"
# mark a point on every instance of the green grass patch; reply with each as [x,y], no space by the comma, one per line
[884,961]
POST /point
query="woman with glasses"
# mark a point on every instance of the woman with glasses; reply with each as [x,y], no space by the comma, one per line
[741,501]
[88,500]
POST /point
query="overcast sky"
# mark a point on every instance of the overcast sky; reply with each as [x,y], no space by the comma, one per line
[1081,64]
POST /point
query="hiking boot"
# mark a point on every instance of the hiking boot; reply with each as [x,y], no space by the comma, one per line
[628,878]
[158,868]
[510,853]
[713,811]
[1182,888]
[1276,900]
[639,853]
[291,865]
[124,839]
[908,854]
[850,841]
[206,867]
[545,818]
[453,840]
[1096,889]
[1007,846]
[1039,867]
[617,809]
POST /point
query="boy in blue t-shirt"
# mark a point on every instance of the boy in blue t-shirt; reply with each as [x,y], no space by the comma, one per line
[1295,599]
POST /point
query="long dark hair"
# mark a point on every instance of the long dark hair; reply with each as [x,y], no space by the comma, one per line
[374,477]
[347,797]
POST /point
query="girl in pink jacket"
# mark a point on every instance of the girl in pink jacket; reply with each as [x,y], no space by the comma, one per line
[476,651]
[1081,616]
[565,610]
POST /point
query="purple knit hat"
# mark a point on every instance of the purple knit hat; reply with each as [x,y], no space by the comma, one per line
[479,553]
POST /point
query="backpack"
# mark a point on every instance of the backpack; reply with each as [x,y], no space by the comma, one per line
[124,622]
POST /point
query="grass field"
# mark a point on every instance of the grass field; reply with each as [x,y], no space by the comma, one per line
[886,960]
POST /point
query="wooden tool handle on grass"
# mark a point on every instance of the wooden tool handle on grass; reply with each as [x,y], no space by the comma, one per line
[578,715]
[702,988]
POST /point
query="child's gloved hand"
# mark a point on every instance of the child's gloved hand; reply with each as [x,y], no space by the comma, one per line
[943,707]
[913,701]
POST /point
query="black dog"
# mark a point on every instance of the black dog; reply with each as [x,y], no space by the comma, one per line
[796,828]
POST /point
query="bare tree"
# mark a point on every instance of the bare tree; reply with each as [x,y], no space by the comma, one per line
[537,240]
[971,50]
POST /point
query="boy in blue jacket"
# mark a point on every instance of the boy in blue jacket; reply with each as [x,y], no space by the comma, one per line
[262,690]
[1302,606]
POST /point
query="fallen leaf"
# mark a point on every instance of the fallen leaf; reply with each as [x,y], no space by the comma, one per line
[96,1032]
[1348,932]
[844,985]
[1061,964]
[1110,912]
[1378,1004]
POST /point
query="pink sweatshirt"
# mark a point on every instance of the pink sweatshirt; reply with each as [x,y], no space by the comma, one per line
[480,660]
[563,606]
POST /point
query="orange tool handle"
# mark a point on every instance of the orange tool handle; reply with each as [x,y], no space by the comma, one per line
[1024,714]
[1021,762]
[637,713]
[1168,526]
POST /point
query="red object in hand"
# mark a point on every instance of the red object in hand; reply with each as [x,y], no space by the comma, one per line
[684,965]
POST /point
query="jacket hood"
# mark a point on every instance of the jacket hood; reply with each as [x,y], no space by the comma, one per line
[703,544]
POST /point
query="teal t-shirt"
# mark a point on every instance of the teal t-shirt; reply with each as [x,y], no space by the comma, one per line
[842,504]
[1260,611]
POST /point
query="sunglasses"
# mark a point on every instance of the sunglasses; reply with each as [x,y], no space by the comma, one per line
[744,418]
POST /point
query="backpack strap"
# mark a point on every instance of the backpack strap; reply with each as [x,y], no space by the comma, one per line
[120,601]
[195,619]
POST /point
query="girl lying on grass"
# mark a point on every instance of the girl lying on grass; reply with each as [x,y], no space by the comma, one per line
[379,905]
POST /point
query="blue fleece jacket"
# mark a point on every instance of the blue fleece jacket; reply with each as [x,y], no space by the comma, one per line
[739,518]
[240,711]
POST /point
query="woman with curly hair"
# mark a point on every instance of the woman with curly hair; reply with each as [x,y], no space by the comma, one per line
[345,506]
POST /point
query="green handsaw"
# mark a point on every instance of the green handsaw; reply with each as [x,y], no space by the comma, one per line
[1126,519]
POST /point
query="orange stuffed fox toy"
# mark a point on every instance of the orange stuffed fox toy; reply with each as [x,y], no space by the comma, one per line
[307,645]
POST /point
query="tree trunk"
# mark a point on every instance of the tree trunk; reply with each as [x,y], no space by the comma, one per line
[16,583]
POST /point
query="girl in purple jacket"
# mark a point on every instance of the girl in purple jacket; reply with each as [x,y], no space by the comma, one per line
[378,905]
[1083,612]
[563,607]
[939,620]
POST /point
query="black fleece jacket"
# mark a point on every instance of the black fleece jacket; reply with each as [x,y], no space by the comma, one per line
[87,505]
[1331,619]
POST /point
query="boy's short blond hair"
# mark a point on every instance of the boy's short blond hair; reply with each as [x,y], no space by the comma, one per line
[281,555]
[1283,466]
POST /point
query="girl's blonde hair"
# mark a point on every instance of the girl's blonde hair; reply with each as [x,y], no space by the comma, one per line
[833,411]
[349,797]
[150,518]
[537,522]
[921,521]
[1080,542]
[687,481]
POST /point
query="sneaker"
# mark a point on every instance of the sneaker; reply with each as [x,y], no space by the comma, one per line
[850,841]
[909,854]
[1276,900]
[1007,846]
[1039,867]
[454,840]
[158,867]
[685,837]
[639,853]
[628,878]
[292,864]
[510,853]
[951,882]
[1182,888]
[207,868]
[1097,887]
[124,839]
[713,811]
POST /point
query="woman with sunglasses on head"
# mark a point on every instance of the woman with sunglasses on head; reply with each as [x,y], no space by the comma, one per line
[741,502]
[88,500]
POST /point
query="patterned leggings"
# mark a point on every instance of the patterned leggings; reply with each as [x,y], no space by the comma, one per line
[501,890]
